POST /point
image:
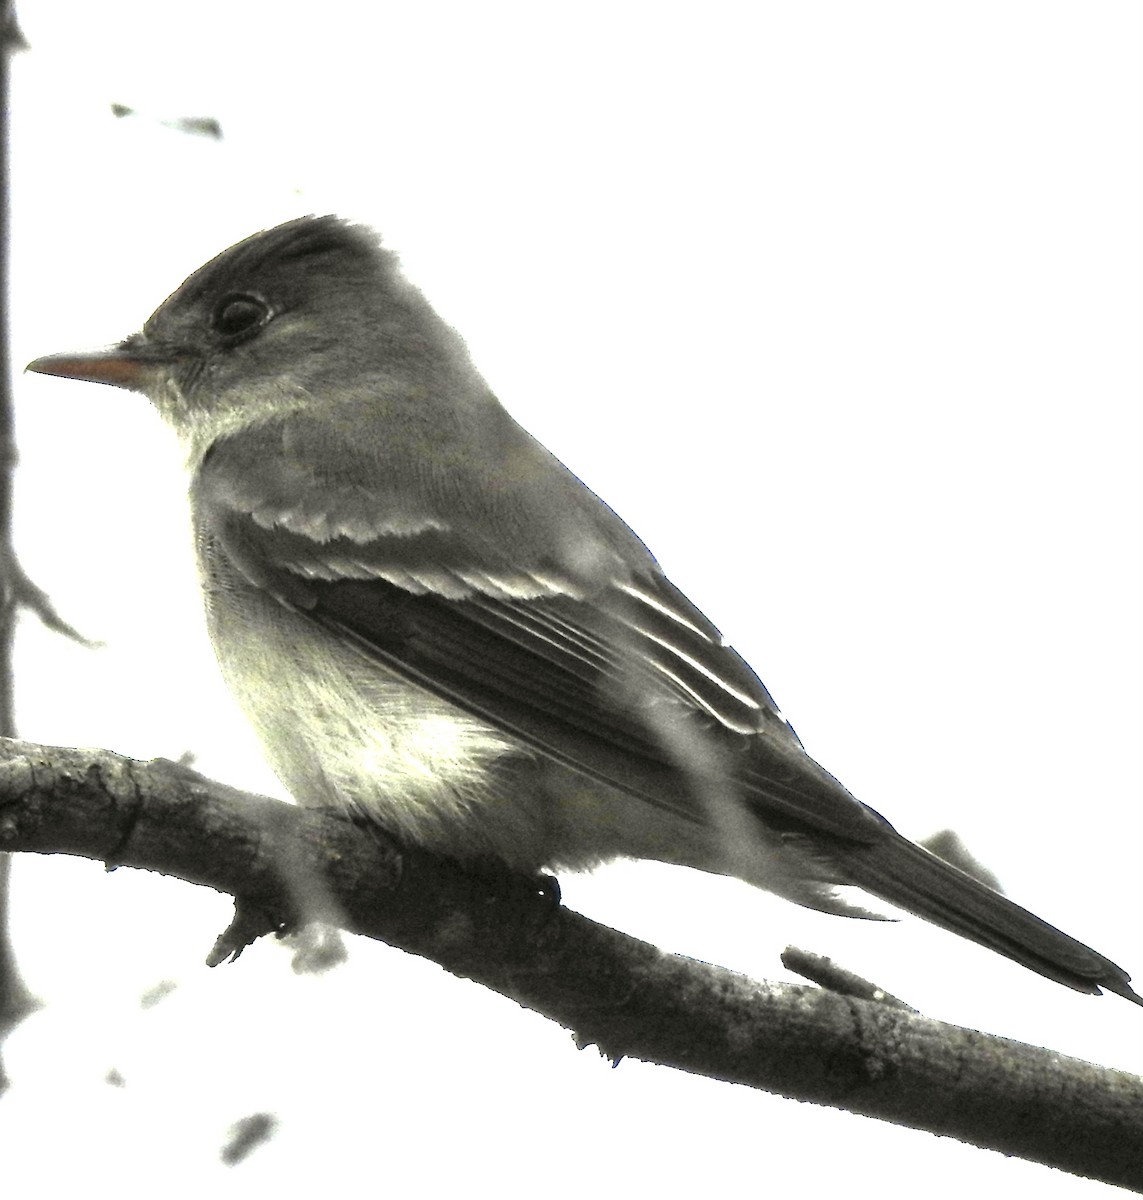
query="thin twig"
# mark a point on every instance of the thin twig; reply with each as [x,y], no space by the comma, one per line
[827,974]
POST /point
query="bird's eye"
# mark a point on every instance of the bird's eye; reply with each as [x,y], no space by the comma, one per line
[239,315]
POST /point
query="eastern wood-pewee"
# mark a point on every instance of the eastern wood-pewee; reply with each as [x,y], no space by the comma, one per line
[431,621]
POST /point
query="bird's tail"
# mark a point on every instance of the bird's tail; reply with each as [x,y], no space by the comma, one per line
[911,878]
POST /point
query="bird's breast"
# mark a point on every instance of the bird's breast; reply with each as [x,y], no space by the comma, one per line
[342,729]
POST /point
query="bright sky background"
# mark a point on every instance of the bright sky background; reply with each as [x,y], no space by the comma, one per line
[838,305]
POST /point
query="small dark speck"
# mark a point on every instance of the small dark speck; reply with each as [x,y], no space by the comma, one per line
[114,1078]
[200,126]
[209,127]
[160,991]
[247,1135]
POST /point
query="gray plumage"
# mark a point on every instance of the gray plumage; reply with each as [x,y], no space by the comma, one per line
[430,620]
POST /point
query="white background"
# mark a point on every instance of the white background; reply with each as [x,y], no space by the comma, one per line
[838,305]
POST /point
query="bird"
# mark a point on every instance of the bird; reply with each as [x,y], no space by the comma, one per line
[433,624]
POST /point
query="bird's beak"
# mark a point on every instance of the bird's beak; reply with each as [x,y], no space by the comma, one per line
[126,366]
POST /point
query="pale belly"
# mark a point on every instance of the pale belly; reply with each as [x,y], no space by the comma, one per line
[343,730]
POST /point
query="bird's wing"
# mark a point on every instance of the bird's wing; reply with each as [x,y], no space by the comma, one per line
[560,630]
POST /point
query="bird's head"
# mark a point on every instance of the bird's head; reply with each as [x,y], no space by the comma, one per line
[311,313]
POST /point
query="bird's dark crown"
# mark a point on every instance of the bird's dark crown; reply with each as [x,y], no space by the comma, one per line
[297,250]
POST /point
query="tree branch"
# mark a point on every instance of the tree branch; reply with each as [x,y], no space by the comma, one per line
[621,994]
[16,589]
